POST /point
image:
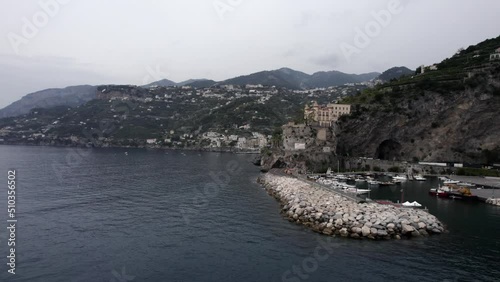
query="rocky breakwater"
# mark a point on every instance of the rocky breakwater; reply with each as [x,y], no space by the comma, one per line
[326,212]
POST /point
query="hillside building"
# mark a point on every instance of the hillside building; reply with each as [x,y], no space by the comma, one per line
[496,55]
[325,116]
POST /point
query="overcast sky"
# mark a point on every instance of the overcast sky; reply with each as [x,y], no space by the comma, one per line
[73,42]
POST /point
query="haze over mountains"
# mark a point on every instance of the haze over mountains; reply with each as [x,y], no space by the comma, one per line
[284,77]
[69,96]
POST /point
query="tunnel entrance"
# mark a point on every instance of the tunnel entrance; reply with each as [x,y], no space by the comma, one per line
[389,150]
[279,164]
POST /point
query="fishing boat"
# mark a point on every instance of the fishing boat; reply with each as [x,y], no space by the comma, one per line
[441,192]
[463,194]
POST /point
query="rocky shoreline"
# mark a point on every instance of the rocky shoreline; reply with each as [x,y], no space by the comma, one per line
[331,214]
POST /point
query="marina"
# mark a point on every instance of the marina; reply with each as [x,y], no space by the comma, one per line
[464,188]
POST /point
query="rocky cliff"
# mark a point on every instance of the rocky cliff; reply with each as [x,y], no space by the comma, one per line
[455,121]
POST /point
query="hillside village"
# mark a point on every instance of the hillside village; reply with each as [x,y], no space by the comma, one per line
[226,117]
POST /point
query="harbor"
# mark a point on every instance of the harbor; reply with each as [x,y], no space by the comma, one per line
[333,213]
[466,188]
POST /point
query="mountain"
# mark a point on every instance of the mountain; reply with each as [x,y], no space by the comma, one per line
[292,79]
[161,83]
[197,83]
[335,78]
[284,77]
[70,96]
[201,83]
[395,73]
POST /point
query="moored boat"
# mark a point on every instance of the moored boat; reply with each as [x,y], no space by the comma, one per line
[419,177]
[441,192]
[400,177]
[450,181]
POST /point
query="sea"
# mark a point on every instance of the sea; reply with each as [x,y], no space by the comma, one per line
[162,215]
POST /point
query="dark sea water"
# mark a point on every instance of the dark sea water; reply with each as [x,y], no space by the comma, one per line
[102,215]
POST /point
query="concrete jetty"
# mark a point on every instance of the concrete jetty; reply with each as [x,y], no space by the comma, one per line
[493,182]
[329,213]
[489,196]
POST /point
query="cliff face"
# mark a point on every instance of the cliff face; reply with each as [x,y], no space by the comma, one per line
[305,147]
[429,125]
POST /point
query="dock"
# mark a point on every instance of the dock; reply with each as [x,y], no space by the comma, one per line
[490,187]
[487,182]
[484,194]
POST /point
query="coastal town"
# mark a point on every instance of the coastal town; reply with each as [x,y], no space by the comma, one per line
[159,117]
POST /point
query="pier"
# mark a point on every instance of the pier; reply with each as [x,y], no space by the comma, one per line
[490,195]
[487,182]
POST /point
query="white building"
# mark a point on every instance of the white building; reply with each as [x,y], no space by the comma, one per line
[496,55]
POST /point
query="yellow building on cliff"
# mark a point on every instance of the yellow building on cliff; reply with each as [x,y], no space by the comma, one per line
[325,116]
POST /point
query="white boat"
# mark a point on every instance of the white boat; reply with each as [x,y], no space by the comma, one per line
[467,184]
[419,177]
[341,177]
[400,177]
[373,182]
[450,181]
[360,180]
[362,191]
[357,191]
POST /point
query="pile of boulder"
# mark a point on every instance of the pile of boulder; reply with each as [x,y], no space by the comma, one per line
[327,212]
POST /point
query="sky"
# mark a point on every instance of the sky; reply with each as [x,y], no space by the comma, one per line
[58,43]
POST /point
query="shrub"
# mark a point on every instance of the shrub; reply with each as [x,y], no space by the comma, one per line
[478,172]
[394,169]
